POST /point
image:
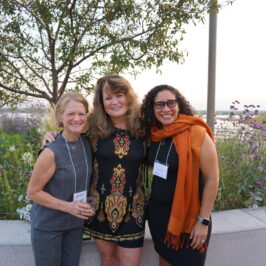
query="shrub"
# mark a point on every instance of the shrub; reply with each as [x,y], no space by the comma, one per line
[16,161]
[24,124]
[241,147]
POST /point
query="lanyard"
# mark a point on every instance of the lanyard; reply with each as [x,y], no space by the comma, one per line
[74,170]
[167,153]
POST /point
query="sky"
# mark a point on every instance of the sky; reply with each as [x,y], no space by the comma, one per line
[240,60]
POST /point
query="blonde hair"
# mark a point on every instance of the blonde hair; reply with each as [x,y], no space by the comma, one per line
[64,100]
[101,125]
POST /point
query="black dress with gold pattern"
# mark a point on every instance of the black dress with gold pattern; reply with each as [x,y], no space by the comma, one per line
[117,186]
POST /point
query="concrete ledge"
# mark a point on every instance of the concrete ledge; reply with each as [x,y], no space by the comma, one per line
[238,239]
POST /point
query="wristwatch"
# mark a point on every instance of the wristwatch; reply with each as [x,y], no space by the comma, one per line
[204,221]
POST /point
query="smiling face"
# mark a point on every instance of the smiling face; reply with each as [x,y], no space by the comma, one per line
[74,118]
[166,115]
[115,104]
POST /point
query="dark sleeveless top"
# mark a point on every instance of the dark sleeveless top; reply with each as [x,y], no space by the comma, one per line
[117,186]
[62,184]
[160,204]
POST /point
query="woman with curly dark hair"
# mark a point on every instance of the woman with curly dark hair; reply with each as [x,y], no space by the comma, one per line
[185,177]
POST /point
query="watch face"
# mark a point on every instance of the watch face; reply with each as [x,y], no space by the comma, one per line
[205,222]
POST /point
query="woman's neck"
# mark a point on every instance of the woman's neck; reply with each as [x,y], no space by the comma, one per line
[120,123]
[70,137]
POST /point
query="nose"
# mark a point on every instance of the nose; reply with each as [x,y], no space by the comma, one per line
[166,108]
[76,117]
[114,100]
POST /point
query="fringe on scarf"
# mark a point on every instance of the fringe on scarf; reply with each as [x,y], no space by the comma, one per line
[181,242]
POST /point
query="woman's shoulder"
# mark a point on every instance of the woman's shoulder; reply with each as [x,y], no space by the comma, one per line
[59,140]
[197,135]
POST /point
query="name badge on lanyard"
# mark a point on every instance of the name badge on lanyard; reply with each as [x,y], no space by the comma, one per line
[80,196]
[160,169]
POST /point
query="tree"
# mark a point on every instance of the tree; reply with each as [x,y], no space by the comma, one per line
[50,46]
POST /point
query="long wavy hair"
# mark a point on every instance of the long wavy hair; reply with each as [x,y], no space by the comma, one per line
[101,125]
[148,118]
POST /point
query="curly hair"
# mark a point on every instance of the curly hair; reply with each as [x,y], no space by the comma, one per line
[101,125]
[148,118]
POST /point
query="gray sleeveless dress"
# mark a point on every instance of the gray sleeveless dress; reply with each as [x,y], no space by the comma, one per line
[56,236]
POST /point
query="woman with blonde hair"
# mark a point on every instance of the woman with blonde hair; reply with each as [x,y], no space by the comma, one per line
[118,149]
[58,186]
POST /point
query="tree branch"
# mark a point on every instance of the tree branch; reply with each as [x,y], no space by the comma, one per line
[25,92]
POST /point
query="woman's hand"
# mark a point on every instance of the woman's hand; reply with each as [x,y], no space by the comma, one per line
[49,137]
[80,209]
[198,235]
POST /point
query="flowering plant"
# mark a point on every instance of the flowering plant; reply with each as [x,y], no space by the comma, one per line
[241,147]
[24,212]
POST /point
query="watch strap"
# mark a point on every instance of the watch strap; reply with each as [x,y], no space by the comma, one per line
[204,221]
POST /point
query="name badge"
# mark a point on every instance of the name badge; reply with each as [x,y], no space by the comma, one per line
[80,196]
[160,169]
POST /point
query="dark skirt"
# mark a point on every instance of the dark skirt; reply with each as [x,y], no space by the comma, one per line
[158,215]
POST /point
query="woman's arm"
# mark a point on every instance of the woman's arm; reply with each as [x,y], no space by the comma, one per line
[210,172]
[43,171]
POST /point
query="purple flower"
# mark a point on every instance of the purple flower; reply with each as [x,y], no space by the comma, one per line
[27,174]
[1,170]
[257,157]
[258,183]
[260,169]
[234,165]
[222,158]
[258,198]
[255,206]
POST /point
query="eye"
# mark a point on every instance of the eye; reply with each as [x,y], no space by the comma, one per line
[159,105]
[171,103]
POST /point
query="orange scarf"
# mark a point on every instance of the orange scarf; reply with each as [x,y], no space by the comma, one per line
[188,134]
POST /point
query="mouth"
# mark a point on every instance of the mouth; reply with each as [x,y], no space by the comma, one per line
[116,108]
[76,125]
[166,116]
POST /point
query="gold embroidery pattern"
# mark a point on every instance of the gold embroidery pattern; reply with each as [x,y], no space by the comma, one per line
[118,237]
[100,215]
[121,145]
[93,185]
[115,204]
[138,204]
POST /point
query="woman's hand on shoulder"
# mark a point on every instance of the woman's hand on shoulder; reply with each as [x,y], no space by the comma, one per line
[80,209]
[49,137]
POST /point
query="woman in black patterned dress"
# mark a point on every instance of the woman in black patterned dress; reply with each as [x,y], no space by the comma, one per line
[118,224]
